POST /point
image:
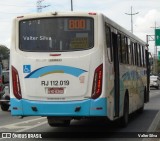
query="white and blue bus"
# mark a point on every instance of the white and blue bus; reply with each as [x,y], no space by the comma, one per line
[75,65]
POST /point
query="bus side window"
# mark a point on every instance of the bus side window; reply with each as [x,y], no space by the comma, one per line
[142,48]
[129,52]
[120,47]
[140,54]
[123,49]
[133,53]
[145,60]
[138,57]
[136,54]
[108,40]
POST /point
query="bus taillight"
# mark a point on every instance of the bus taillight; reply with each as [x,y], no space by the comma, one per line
[1,81]
[97,82]
[92,13]
[16,84]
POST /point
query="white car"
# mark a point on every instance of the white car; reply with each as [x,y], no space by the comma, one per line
[155,81]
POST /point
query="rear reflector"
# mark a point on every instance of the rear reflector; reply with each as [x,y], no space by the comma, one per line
[55,55]
[16,84]
[97,82]
[15,108]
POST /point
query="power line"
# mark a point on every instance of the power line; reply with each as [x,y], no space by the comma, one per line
[40,6]
[1,4]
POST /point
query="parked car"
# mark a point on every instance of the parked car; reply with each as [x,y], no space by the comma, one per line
[5,95]
[1,83]
[155,81]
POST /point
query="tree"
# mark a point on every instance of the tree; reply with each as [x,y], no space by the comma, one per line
[158,66]
[4,52]
[4,56]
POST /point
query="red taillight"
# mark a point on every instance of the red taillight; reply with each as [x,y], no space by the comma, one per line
[16,84]
[55,55]
[92,13]
[1,79]
[97,82]
[1,88]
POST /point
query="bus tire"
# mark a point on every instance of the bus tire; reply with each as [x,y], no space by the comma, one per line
[141,109]
[4,107]
[157,87]
[124,119]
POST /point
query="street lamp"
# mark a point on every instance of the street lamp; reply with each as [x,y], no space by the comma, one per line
[131,14]
[39,6]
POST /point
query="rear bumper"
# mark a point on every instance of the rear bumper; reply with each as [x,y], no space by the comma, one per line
[82,108]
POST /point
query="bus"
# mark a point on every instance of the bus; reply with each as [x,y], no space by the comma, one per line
[76,65]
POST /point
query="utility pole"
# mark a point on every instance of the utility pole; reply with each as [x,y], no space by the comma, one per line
[150,38]
[40,6]
[155,51]
[131,14]
[71,5]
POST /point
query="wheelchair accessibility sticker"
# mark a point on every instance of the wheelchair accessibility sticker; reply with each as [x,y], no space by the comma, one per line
[26,68]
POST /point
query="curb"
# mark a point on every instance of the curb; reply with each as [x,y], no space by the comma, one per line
[155,123]
[154,126]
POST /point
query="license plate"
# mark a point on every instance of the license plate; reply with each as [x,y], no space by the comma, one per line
[55,90]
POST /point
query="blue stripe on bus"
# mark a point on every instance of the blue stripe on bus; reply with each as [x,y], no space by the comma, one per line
[89,107]
[55,69]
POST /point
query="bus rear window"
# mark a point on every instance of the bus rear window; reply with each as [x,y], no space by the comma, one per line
[56,34]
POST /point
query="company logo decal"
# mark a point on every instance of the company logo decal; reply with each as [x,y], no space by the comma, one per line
[55,69]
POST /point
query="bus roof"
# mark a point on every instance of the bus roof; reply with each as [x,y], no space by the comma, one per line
[122,29]
[73,13]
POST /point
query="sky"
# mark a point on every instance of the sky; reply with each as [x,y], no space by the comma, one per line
[144,22]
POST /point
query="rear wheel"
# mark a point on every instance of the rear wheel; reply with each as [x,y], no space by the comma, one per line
[140,110]
[125,117]
[4,107]
[157,87]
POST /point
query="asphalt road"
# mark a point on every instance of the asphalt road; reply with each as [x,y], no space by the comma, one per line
[85,129]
